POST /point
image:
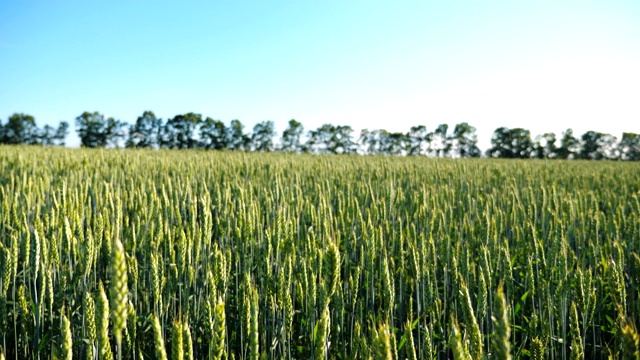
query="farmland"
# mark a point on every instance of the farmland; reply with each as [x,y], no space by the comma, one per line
[145,254]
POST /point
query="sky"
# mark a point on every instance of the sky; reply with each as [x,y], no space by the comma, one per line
[543,65]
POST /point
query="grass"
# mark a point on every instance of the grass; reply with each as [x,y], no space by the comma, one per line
[301,256]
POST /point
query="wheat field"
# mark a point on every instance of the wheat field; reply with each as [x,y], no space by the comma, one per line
[145,254]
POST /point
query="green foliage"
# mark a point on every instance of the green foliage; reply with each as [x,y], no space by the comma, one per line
[94,130]
[262,136]
[230,255]
[511,143]
[180,131]
[145,132]
[291,137]
[20,129]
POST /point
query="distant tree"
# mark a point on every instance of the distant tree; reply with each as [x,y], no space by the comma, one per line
[630,147]
[522,143]
[418,140]
[545,146]
[214,134]
[383,142]
[291,137]
[370,141]
[393,143]
[609,144]
[465,141]
[47,135]
[145,132]
[342,141]
[441,143]
[598,146]
[318,139]
[262,137]
[166,136]
[96,131]
[511,143]
[20,129]
[331,139]
[500,144]
[61,134]
[238,140]
[179,131]
[569,146]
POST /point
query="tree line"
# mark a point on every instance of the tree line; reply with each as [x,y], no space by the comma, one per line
[192,131]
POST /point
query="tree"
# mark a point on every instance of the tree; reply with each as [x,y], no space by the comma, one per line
[500,144]
[179,131]
[318,139]
[213,134]
[291,137]
[393,143]
[50,136]
[47,135]
[598,146]
[522,144]
[440,143]
[20,129]
[342,141]
[145,132]
[238,140]
[96,131]
[511,143]
[61,133]
[589,149]
[418,140]
[370,141]
[330,139]
[465,141]
[630,147]
[569,146]
[545,146]
[262,137]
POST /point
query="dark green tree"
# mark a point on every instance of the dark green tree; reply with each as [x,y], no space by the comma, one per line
[331,139]
[441,144]
[61,134]
[318,139]
[465,141]
[630,147]
[545,146]
[145,132]
[569,146]
[291,137]
[500,144]
[20,129]
[179,131]
[342,141]
[598,146]
[96,131]
[47,134]
[418,140]
[238,140]
[213,134]
[369,141]
[262,136]
[511,143]
[393,143]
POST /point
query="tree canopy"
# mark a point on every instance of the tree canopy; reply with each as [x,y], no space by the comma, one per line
[190,131]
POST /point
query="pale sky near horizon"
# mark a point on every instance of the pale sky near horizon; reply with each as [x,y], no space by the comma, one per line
[544,65]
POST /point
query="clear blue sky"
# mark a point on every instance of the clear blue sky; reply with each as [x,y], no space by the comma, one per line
[545,65]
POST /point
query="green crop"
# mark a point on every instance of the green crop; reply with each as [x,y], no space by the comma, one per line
[146,254]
